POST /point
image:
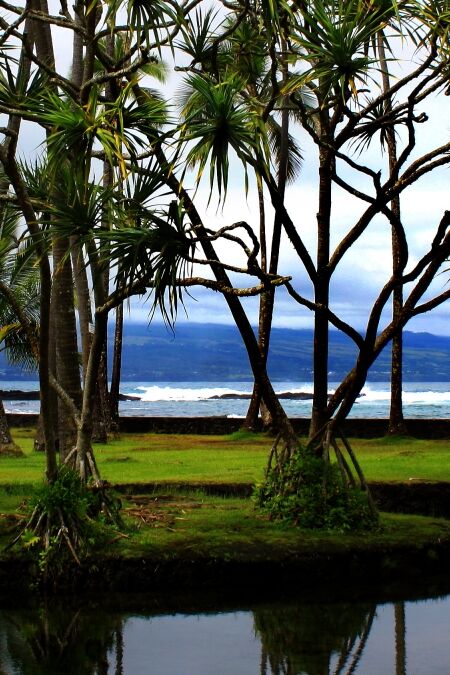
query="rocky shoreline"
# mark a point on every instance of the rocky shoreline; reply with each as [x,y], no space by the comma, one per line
[19,395]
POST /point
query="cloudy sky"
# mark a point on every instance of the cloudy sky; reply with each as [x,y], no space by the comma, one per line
[364,269]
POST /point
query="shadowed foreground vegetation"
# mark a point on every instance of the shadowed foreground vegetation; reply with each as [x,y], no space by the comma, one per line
[190,523]
[174,532]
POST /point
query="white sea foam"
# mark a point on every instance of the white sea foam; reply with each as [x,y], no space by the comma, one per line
[428,399]
[199,392]
[171,393]
[424,397]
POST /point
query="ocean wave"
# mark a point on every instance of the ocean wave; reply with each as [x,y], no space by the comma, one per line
[156,393]
[425,397]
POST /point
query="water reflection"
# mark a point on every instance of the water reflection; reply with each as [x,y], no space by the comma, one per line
[304,639]
[57,639]
[294,639]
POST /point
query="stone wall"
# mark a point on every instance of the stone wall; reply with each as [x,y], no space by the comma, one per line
[355,428]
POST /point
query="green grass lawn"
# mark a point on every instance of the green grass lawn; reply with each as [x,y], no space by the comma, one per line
[191,525]
[213,525]
[238,458]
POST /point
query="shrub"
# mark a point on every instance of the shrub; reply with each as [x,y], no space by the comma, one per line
[311,493]
[66,520]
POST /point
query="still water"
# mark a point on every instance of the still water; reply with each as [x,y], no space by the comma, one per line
[307,638]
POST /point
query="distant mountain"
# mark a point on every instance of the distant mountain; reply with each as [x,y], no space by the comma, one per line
[210,352]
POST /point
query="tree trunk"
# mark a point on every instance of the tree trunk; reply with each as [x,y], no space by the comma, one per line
[101,416]
[321,292]
[67,359]
[7,445]
[83,300]
[252,418]
[84,456]
[397,424]
[116,370]
[39,440]
[267,299]
[44,372]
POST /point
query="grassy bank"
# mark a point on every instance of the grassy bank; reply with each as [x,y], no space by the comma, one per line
[168,530]
[178,541]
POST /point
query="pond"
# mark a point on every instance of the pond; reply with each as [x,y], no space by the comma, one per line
[65,637]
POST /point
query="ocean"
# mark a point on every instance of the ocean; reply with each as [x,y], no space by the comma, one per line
[193,399]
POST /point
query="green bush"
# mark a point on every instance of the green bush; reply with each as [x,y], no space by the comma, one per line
[310,493]
[66,520]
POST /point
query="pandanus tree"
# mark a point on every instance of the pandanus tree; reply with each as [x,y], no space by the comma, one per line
[327,46]
[60,197]
[98,196]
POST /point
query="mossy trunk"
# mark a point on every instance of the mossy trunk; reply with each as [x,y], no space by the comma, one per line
[7,445]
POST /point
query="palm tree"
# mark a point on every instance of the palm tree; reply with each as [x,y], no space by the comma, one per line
[19,287]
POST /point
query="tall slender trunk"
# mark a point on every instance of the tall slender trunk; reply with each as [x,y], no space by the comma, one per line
[114,389]
[39,441]
[322,292]
[83,301]
[85,429]
[44,49]
[267,298]
[252,417]
[51,471]
[67,360]
[396,420]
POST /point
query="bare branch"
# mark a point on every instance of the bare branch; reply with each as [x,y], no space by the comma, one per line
[334,320]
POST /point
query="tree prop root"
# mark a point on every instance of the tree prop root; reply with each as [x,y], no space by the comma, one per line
[66,520]
[318,486]
[52,532]
[327,441]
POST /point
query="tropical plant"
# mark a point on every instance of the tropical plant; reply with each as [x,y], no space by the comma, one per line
[95,202]
[328,51]
[19,288]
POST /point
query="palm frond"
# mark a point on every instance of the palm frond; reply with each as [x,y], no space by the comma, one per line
[198,32]
[216,117]
[434,16]
[17,348]
[333,42]
[376,119]
[17,88]
[20,274]
[143,187]
[294,154]
[77,208]
[155,252]
[245,52]
[9,220]
[148,19]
